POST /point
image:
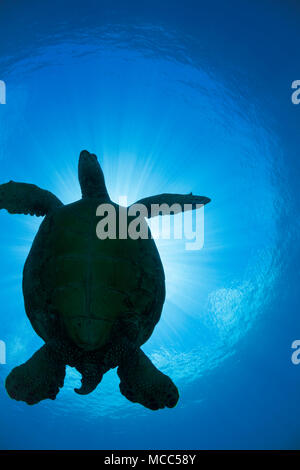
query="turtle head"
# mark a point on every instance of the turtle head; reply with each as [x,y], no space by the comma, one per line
[91,176]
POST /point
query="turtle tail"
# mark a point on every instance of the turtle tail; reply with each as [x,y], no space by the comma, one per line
[91,377]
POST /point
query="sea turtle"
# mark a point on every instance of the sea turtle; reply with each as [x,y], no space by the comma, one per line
[93,301]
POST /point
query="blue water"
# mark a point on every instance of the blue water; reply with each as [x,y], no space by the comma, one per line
[172,97]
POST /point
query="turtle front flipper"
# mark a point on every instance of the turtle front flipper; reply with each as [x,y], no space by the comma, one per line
[39,378]
[142,382]
[167,204]
[23,198]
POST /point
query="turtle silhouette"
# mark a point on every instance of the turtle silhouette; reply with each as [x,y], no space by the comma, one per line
[94,301]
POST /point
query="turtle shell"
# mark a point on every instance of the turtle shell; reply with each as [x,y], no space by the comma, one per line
[91,290]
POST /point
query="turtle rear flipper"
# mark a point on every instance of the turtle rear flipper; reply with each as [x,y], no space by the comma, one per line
[23,198]
[142,382]
[39,378]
